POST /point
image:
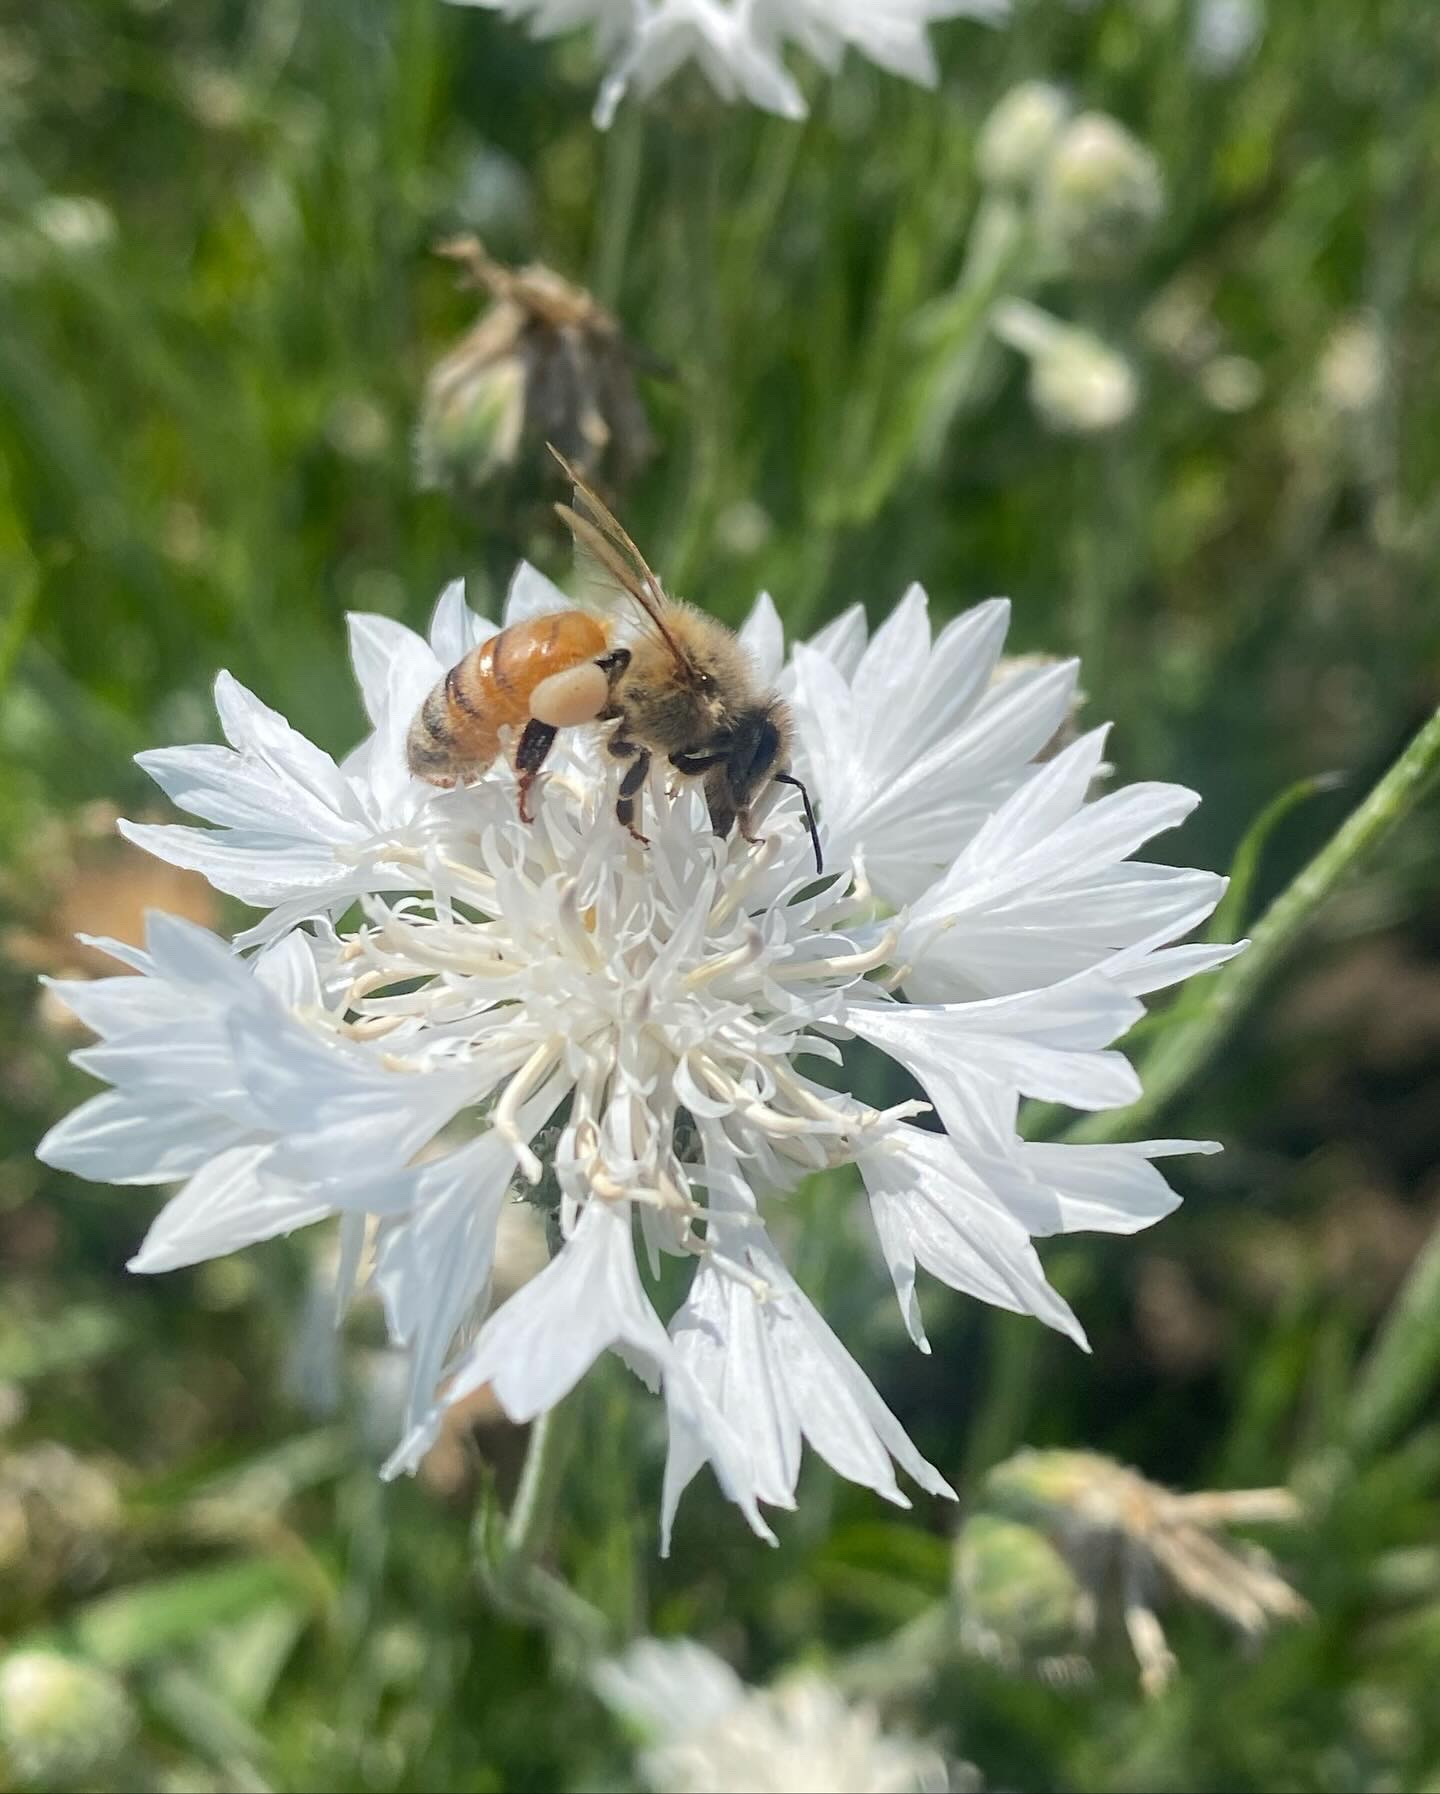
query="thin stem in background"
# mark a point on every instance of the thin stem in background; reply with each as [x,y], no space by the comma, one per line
[1184,1051]
[1400,1370]
[620,193]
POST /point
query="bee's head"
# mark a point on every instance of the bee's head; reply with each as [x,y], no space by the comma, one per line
[759,753]
[757,744]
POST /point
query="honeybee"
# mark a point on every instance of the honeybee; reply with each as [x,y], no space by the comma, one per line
[680,684]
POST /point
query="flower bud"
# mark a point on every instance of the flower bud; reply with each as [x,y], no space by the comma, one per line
[1079,385]
[546,364]
[1100,197]
[1020,1604]
[473,417]
[61,1721]
[1017,139]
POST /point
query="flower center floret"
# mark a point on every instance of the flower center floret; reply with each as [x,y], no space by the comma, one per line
[658,996]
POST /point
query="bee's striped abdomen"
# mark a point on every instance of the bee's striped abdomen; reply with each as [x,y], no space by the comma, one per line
[457,732]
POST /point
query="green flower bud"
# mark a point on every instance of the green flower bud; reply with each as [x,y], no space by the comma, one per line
[1019,1601]
[473,418]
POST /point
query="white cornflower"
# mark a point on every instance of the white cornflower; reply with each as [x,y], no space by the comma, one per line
[443,1007]
[738,45]
[891,33]
[705,1732]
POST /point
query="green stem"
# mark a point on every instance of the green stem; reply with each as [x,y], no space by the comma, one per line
[903,1664]
[621,191]
[1402,1364]
[540,1475]
[509,1566]
[1184,1051]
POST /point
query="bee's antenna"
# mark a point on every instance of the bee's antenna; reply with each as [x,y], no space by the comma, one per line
[785,778]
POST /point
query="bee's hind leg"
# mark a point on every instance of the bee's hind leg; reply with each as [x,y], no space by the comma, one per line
[535,745]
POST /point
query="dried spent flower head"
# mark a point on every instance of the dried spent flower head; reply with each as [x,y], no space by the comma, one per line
[58,1513]
[705,1732]
[1127,1540]
[738,45]
[440,1005]
[545,364]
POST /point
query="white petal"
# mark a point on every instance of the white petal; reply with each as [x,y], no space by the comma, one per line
[532,595]
[434,1268]
[254,728]
[257,868]
[668,1688]
[228,1204]
[383,651]
[339,1109]
[115,1139]
[537,1345]
[764,638]
[842,641]
[930,1210]
[455,629]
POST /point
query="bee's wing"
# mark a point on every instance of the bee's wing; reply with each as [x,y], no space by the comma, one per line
[607,553]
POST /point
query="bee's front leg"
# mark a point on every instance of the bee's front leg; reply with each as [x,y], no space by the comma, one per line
[633,782]
[535,744]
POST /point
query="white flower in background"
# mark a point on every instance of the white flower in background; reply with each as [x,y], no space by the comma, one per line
[738,45]
[705,1732]
[891,33]
[443,1007]
[1101,195]
[1225,34]
[1079,385]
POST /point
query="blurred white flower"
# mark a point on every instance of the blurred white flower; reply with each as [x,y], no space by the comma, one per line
[622,1032]
[1225,33]
[1100,196]
[894,34]
[705,1732]
[738,45]
[1355,365]
[75,223]
[1079,385]
[1018,137]
[64,1723]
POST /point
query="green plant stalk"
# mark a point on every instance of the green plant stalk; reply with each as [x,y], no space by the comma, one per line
[1402,1365]
[540,1476]
[949,340]
[508,1553]
[1184,1051]
[620,194]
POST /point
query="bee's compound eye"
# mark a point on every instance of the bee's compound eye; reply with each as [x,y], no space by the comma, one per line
[575,696]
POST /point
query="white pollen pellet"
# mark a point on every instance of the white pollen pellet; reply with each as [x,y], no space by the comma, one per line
[575,696]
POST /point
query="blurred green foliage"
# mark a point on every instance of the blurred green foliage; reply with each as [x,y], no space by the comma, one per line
[217,309]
